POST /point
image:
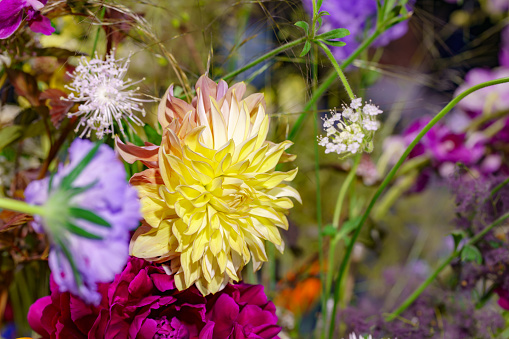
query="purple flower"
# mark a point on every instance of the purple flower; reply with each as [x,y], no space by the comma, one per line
[11,15]
[359,17]
[443,146]
[86,249]
[143,302]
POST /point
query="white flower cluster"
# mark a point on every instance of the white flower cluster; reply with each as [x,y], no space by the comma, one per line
[105,95]
[352,130]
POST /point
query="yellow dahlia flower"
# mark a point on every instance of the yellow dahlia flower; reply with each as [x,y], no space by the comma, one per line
[211,195]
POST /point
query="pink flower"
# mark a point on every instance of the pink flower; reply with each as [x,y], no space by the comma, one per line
[11,15]
[143,302]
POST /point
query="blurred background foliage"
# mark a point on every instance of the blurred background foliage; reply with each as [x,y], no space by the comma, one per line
[177,41]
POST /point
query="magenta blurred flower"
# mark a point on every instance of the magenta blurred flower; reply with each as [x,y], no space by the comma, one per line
[442,145]
[88,219]
[503,300]
[11,15]
[143,302]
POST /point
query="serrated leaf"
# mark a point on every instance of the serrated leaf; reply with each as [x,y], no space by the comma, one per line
[471,253]
[336,33]
[334,43]
[305,50]
[304,25]
[87,215]
[76,171]
[81,232]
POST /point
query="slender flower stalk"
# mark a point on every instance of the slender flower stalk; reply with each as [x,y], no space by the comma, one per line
[388,179]
[408,301]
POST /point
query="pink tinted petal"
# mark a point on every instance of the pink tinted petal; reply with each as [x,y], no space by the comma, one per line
[41,24]
[252,294]
[207,331]
[11,13]
[39,310]
[141,285]
[163,282]
[224,314]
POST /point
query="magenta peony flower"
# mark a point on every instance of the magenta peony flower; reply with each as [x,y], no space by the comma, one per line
[11,15]
[143,302]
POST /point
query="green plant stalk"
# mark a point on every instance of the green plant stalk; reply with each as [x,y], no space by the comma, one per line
[335,64]
[264,57]
[344,189]
[317,94]
[96,39]
[391,174]
[499,187]
[439,269]
[20,206]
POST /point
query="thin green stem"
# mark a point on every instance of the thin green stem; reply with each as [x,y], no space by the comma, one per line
[329,80]
[337,68]
[344,189]
[392,173]
[443,265]
[499,187]
[265,57]
[96,39]
[20,206]
[318,192]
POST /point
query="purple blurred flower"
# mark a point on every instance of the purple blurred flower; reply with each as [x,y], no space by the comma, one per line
[100,188]
[442,145]
[143,302]
[489,99]
[11,15]
[359,17]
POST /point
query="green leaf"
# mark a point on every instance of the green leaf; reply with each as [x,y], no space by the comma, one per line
[323,13]
[471,253]
[152,135]
[87,215]
[329,230]
[335,43]
[348,226]
[10,134]
[73,191]
[81,232]
[69,179]
[304,25]
[337,33]
[318,4]
[305,50]
[457,236]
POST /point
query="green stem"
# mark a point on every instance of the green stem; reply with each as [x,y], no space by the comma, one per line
[391,174]
[344,189]
[439,269]
[318,193]
[20,206]
[96,39]
[337,68]
[499,187]
[317,94]
[265,57]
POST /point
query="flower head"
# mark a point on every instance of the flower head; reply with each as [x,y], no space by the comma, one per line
[107,98]
[352,130]
[211,195]
[11,15]
[142,302]
[87,219]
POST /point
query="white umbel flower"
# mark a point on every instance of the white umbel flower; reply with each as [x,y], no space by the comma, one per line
[352,130]
[105,95]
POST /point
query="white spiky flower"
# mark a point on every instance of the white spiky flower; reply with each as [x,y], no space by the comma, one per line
[353,336]
[351,130]
[105,95]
